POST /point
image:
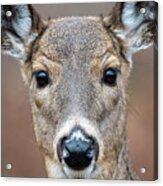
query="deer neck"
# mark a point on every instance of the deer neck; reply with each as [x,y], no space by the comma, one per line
[118,157]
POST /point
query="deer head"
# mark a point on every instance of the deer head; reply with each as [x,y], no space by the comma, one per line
[77,70]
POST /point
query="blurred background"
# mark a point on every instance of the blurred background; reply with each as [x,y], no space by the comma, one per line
[18,141]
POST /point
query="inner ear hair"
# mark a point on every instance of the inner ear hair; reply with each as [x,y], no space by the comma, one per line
[20,25]
[135,24]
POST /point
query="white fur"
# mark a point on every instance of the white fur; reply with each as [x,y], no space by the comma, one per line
[133,32]
[77,135]
[17,50]
[128,16]
[23,25]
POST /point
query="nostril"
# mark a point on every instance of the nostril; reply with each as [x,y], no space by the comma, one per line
[90,153]
[66,153]
[60,147]
[93,150]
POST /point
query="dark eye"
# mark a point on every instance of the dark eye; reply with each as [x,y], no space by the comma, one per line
[110,76]
[42,78]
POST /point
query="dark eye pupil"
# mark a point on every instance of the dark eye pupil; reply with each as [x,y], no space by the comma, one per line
[42,79]
[110,76]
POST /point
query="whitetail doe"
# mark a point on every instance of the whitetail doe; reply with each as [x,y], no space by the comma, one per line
[77,70]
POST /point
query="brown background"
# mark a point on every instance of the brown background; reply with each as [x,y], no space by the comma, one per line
[18,141]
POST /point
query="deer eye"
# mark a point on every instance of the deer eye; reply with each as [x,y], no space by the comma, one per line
[42,78]
[110,76]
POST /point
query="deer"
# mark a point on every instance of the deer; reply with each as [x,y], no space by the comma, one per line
[77,70]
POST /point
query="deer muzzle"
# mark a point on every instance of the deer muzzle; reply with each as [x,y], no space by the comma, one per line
[78,149]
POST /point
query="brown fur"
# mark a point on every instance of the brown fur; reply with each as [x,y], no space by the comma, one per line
[75,51]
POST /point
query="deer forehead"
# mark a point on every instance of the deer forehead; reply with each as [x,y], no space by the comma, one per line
[74,40]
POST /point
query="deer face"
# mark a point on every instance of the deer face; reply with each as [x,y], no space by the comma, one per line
[77,90]
[77,71]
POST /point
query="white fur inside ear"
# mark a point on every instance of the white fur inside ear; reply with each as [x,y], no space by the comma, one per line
[17,49]
[23,23]
[132,17]
[129,17]
[129,20]
[136,34]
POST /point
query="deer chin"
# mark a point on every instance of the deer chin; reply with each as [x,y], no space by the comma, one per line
[61,170]
[86,173]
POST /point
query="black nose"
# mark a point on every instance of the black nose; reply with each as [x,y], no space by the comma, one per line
[78,153]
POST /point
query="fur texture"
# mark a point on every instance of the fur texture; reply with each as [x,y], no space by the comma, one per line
[75,51]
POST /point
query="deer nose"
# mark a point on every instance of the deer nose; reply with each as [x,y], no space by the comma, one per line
[79,153]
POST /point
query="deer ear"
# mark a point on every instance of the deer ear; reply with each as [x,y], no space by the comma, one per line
[134,24]
[20,26]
